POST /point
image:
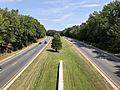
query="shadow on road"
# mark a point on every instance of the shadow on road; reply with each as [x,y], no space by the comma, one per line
[117,70]
[106,56]
[99,53]
[81,44]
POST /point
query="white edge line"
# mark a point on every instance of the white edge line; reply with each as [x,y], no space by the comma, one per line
[107,78]
[7,85]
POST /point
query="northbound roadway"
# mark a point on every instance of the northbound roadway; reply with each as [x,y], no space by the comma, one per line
[12,66]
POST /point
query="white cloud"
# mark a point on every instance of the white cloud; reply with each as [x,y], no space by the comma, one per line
[73,24]
[72,6]
[55,1]
[81,4]
[59,13]
[43,19]
[9,0]
[55,19]
[62,18]
[91,5]
[61,9]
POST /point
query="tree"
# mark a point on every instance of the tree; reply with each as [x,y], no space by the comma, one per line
[56,42]
[18,31]
[51,32]
[102,29]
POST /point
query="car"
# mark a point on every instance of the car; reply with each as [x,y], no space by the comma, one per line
[0,67]
[40,42]
[71,41]
[45,42]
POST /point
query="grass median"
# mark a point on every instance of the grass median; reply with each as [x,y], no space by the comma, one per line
[78,73]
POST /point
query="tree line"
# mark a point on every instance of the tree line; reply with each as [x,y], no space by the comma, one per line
[18,31]
[102,29]
[51,32]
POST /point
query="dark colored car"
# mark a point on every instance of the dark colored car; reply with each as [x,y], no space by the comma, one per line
[0,67]
[40,42]
[71,40]
[45,42]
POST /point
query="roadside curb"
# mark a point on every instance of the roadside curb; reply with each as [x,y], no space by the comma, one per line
[7,85]
[103,74]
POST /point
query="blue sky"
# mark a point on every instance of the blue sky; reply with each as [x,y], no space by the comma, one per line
[56,14]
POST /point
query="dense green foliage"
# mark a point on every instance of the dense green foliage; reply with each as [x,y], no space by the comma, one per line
[56,42]
[102,29]
[17,31]
[51,32]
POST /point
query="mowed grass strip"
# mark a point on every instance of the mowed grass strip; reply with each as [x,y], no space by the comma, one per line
[77,71]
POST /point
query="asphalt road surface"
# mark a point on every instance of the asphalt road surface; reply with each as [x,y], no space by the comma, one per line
[108,63]
[15,64]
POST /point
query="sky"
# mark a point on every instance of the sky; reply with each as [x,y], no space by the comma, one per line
[56,14]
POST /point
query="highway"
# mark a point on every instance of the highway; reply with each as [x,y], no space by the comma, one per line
[109,64]
[12,66]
